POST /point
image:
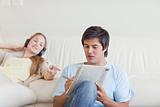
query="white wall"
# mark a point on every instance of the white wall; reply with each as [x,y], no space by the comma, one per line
[21,18]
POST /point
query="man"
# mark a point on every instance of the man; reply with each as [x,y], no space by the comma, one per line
[115,91]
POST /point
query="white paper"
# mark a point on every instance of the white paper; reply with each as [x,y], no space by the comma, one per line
[90,73]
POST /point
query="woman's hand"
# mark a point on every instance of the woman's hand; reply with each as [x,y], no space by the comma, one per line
[53,69]
[17,48]
[49,75]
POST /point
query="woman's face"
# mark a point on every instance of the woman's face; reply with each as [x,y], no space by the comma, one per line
[36,44]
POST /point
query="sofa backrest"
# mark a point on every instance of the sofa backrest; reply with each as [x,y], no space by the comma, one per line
[139,56]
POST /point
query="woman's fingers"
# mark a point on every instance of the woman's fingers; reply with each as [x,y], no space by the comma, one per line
[54,67]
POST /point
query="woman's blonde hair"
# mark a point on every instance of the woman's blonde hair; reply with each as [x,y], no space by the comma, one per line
[37,60]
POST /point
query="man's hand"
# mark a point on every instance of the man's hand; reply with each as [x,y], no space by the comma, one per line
[101,94]
[107,102]
[68,83]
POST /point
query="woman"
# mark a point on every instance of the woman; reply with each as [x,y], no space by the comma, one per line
[26,64]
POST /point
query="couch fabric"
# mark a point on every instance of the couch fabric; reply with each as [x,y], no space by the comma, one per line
[15,95]
[139,56]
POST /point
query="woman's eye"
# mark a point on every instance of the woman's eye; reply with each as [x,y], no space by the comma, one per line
[35,40]
[41,45]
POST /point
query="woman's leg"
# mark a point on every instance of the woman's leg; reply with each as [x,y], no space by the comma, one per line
[4,79]
[84,95]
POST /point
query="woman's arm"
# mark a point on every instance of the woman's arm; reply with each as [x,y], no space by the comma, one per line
[12,47]
[49,71]
[30,79]
[47,75]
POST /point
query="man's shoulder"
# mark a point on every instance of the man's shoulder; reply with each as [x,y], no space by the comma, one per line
[75,65]
[116,70]
[113,67]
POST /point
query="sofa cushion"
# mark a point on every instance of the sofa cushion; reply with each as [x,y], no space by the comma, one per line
[4,79]
[15,95]
[146,88]
[43,90]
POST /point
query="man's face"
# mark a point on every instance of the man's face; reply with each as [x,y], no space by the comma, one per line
[94,51]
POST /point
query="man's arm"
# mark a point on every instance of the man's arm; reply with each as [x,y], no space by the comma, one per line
[59,101]
[107,102]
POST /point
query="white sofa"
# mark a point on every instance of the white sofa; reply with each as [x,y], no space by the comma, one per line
[139,56]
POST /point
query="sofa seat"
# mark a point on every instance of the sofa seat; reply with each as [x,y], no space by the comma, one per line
[38,94]
[43,90]
[15,95]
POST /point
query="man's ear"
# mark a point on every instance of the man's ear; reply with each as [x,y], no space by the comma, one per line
[105,49]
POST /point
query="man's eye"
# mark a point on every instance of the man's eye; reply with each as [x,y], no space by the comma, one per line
[86,46]
[95,47]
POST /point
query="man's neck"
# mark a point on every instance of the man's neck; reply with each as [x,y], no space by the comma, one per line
[101,63]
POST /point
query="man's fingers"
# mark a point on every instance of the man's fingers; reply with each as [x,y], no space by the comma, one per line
[98,87]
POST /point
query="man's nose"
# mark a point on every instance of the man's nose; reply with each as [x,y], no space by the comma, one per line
[90,50]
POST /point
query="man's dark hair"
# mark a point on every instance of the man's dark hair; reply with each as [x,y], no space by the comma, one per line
[97,32]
